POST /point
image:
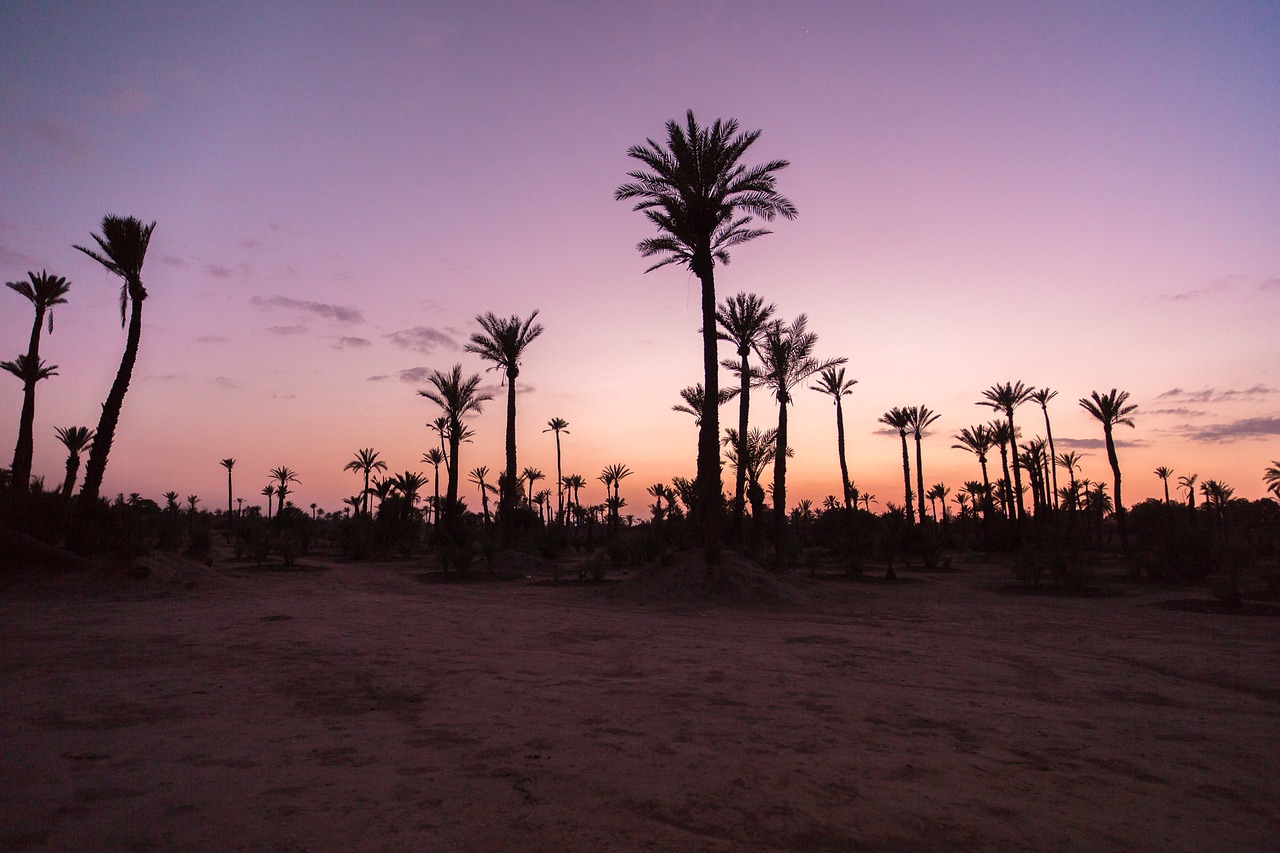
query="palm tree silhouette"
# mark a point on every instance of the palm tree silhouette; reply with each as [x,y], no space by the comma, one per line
[366,461]
[123,244]
[832,382]
[977,440]
[701,198]
[741,320]
[532,475]
[75,439]
[441,427]
[30,371]
[786,359]
[434,457]
[694,397]
[43,291]
[1164,474]
[1272,478]
[1217,494]
[458,398]
[574,482]
[558,425]
[919,418]
[1111,410]
[408,484]
[268,491]
[1071,461]
[1043,396]
[1189,483]
[938,492]
[613,475]
[1004,439]
[1005,398]
[283,475]
[228,464]
[503,342]
[900,419]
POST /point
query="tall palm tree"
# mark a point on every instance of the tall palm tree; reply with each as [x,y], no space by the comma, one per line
[532,475]
[613,475]
[1110,410]
[75,439]
[919,418]
[978,440]
[1272,478]
[1164,474]
[477,477]
[30,371]
[1004,439]
[503,342]
[268,491]
[229,464]
[900,419]
[458,398]
[1043,396]
[434,457]
[1005,398]
[123,244]
[366,461]
[558,425]
[702,199]
[786,359]
[1188,482]
[832,382]
[43,291]
[572,483]
[741,320]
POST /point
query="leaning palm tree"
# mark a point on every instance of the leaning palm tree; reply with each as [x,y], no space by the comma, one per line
[1188,482]
[75,439]
[741,320]
[1272,478]
[503,342]
[920,418]
[1043,396]
[1164,474]
[477,477]
[786,359]
[978,440]
[366,461]
[701,198]
[458,398]
[1005,398]
[229,464]
[434,457]
[900,420]
[558,425]
[832,383]
[43,291]
[30,371]
[1111,410]
[123,244]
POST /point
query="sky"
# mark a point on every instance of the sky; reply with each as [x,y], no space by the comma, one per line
[1080,196]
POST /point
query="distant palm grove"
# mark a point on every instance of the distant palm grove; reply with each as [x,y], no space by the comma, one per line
[701,198]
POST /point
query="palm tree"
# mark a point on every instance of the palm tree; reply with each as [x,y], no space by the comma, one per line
[1071,461]
[503,342]
[614,475]
[1043,396]
[441,427]
[741,320]
[701,198]
[1111,410]
[43,291]
[123,244]
[1217,494]
[458,398]
[558,425]
[1189,483]
[1272,478]
[228,464]
[268,491]
[366,460]
[408,485]
[919,418]
[978,440]
[832,382]
[1005,398]
[75,439]
[1164,474]
[1004,439]
[434,457]
[532,475]
[900,419]
[572,483]
[283,476]
[30,371]
[694,397]
[477,477]
[786,359]
[938,492]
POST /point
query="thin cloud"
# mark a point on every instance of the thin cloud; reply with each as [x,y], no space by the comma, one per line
[211,339]
[1225,283]
[1270,284]
[338,313]
[225,382]
[352,343]
[288,330]
[1213,395]
[219,271]
[1243,429]
[422,339]
[415,375]
[1180,411]
[1097,443]
[381,377]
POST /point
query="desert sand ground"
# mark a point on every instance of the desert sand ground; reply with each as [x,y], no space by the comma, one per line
[357,707]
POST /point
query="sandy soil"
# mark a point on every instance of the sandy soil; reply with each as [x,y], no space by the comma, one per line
[355,707]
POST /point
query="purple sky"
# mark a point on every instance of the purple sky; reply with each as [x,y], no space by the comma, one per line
[1080,196]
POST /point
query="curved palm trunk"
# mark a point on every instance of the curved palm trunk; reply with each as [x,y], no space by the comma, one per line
[1053,457]
[73,468]
[906,478]
[1019,511]
[23,451]
[986,485]
[780,493]
[105,434]
[740,479]
[1004,466]
[709,483]
[920,482]
[1119,503]
[844,466]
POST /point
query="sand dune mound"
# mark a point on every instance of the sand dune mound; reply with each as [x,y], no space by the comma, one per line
[53,571]
[687,577]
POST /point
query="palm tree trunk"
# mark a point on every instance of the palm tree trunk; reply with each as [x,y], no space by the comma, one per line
[844,466]
[740,479]
[1020,513]
[1053,457]
[73,467]
[105,434]
[920,481]
[24,450]
[1119,505]
[906,478]
[1008,497]
[508,497]
[780,493]
[709,484]
[559,483]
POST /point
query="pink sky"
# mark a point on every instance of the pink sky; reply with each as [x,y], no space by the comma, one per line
[1078,196]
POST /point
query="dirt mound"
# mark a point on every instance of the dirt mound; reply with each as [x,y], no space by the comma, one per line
[22,557]
[518,563]
[687,577]
[152,575]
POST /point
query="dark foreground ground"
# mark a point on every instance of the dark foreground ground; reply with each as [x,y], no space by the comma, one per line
[357,707]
